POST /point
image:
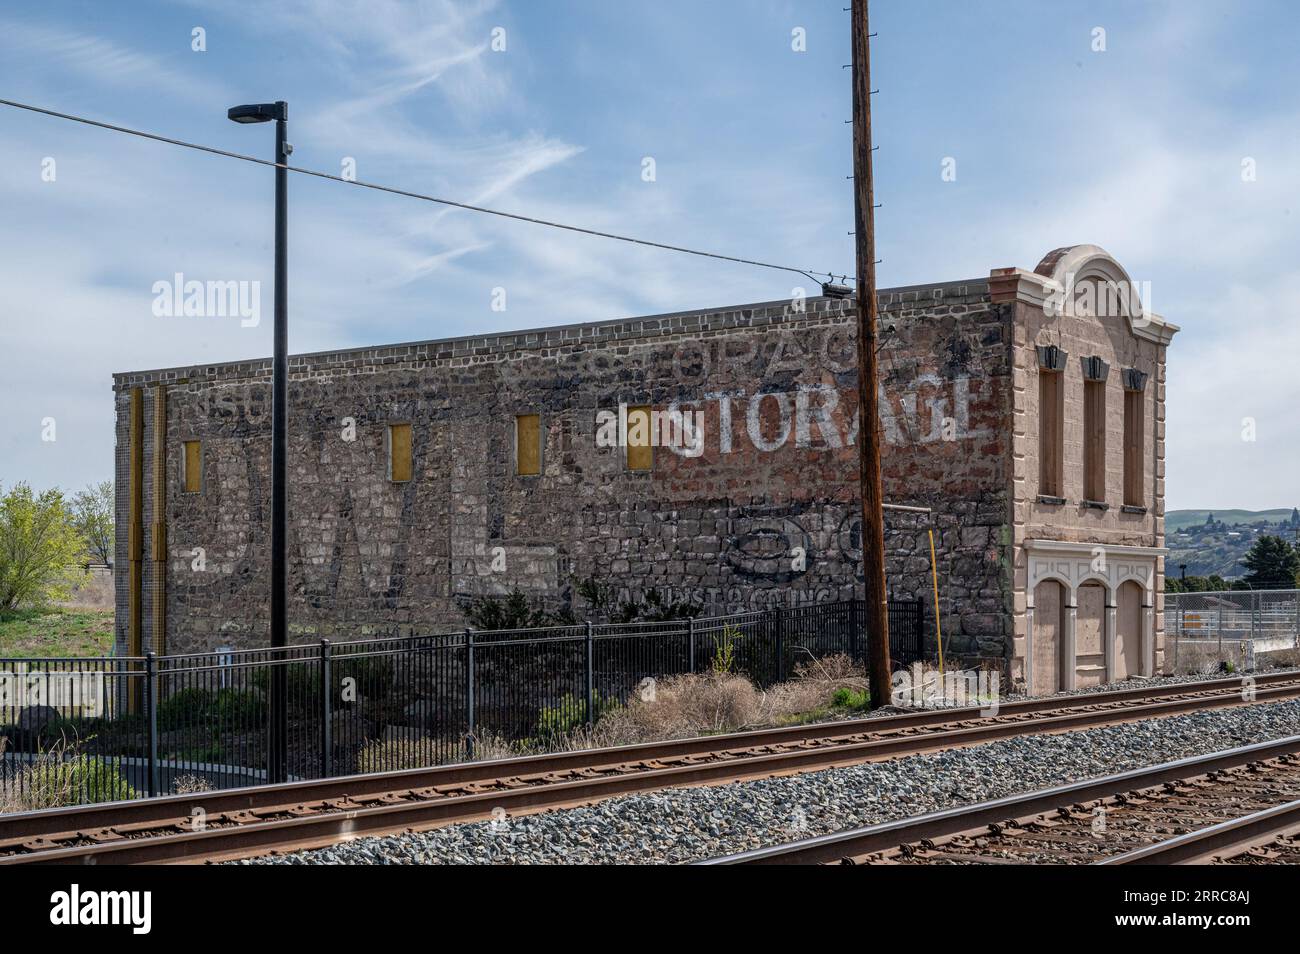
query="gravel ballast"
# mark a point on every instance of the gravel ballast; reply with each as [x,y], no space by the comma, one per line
[684,825]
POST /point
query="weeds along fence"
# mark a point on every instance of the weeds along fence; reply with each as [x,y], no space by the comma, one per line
[82,730]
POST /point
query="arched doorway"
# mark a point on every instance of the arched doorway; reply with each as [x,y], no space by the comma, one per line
[1127,648]
[1049,627]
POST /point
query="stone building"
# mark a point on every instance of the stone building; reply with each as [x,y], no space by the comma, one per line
[1025,410]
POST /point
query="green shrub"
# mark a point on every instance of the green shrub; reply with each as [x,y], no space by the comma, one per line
[489,613]
[846,698]
[193,706]
[724,650]
[570,712]
[183,708]
[213,751]
[373,677]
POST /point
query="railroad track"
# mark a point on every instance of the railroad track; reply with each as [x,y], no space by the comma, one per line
[1232,807]
[214,826]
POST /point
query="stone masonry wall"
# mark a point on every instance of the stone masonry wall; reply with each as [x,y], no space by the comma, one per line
[774,479]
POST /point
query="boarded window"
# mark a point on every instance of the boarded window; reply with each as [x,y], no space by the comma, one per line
[1134,442]
[640,449]
[192,467]
[1094,440]
[528,445]
[399,452]
[1051,431]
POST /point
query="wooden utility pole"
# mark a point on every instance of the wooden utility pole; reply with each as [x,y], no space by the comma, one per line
[864,218]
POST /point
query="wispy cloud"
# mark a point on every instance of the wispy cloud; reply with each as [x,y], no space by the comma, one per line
[99,60]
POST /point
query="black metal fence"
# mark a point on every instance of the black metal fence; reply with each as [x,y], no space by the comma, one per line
[103,729]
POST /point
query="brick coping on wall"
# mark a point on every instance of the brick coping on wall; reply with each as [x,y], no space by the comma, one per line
[585,334]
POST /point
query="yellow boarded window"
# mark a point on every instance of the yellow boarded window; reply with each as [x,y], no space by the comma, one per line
[640,449]
[399,452]
[192,472]
[528,445]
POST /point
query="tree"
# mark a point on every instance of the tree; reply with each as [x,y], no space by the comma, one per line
[93,510]
[40,548]
[1271,562]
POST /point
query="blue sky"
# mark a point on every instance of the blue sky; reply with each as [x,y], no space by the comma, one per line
[1138,149]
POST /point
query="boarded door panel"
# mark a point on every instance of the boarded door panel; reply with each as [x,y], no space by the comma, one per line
[1128,631]
[1089,625]
[1048,606]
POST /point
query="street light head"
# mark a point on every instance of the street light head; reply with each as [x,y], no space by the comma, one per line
[258,112]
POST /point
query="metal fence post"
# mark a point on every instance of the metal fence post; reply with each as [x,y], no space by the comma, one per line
[591,681]
[326,701]
[1219,627]
[780,644]
[918,633]
[850,613]
[469,693]
[690,640]
[151,715]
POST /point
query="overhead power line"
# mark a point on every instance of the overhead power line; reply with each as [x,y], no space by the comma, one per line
[806,272]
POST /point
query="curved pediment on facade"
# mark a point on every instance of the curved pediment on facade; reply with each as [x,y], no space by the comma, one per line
[1073,564]
[1086,281]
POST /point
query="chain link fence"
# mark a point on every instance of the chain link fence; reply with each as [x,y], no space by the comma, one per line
[1241,629]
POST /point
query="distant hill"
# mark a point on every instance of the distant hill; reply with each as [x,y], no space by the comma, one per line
[1218,548]
[1174,519]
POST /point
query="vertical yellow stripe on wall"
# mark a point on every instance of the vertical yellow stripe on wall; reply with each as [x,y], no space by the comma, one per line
[399,452]
[193,465]
[135,523]
[158,585]
[640,450]
[528,445]
[135,539]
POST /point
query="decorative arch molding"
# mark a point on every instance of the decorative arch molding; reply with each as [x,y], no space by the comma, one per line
[1072,565]
[1075,269]
[1052,283]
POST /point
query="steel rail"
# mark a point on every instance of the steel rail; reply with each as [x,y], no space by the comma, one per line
[869,839]
[1226,839]
[255,797]
[293,814]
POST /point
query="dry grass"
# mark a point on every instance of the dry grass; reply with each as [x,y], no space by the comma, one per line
[489,747]
[926,687]
[809,692]
[190,785]
[1202,657]
[62,776]
[675,707]
[695,704]
[393,755]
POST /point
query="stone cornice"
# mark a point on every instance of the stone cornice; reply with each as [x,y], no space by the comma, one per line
[1078,548]
[1017,284]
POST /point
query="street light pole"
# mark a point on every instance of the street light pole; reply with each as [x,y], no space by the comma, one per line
[277,723]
